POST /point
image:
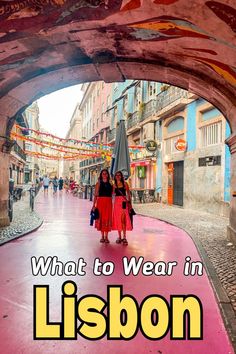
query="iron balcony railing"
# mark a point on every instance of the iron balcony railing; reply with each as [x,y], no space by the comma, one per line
[92,161]
[148,110]
[162,100]
[111,135]
[133,120]
[169,96]
[18,150]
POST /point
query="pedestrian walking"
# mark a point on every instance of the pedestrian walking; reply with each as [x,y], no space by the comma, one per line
[67,184]
[122,205]
[60,183]
[55,184]
[103,204]
[46,182]
[72,184]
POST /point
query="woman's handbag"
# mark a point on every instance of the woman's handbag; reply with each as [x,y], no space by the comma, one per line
[94,215]
[124,204]
[131,210]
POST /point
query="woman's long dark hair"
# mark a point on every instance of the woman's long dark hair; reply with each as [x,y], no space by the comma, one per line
[100,176]
[122,178]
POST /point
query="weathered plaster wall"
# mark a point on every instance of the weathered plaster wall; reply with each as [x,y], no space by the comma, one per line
[204,186]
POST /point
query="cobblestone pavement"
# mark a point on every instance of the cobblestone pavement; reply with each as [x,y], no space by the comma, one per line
[210,231]
[24,221]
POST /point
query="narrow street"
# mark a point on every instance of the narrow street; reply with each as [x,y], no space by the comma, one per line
[66,234]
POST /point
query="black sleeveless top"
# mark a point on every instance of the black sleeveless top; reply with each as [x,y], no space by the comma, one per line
[105,189]
[120,191]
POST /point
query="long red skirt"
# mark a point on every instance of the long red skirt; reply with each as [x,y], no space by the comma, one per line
[104,222]
[117,215]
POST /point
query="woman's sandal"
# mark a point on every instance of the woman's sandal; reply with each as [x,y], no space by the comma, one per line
[119,240]
[125,242]
[106,240]
[102,240]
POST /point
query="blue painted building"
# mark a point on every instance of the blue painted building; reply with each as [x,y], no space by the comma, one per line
[199,176]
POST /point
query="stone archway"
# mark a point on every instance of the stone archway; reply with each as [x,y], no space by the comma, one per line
[57,43]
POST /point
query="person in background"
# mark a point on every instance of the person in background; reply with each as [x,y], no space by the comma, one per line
[46,182]
[67,184]
[121,219]
[72,184]
[55,184]
[103,203]
[60,182]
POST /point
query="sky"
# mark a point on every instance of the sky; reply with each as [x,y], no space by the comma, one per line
[56,109]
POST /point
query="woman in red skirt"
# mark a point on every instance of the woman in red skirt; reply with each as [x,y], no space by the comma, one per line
[103,202]
[121,219]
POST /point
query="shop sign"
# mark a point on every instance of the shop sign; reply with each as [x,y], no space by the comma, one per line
[181,145]
[151,146]
[141,171]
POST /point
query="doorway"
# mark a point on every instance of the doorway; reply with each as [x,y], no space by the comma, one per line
[176,183]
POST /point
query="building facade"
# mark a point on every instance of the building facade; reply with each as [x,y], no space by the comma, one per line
[18,156]
[199,177]
[32,166]
[134,101]
[169,115]
[51,167]
[72,168]
[191,164]
[96,120]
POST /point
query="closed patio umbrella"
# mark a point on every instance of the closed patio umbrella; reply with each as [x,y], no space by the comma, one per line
[120,157]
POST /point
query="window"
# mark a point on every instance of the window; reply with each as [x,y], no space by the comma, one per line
[28,146]
[137,96]
[211,134]
[125,104]
[170,144]
[173,131]
[108,101]
[151,89]
[115,115]
[175,125]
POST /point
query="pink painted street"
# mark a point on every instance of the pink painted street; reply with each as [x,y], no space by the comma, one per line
[66,234]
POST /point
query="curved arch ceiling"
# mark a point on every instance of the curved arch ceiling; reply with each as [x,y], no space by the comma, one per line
[49,44]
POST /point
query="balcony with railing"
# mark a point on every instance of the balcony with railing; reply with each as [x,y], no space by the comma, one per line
[133,120]
[172,98]
[148,110]
[19,151]
[91,162]
[111,134]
